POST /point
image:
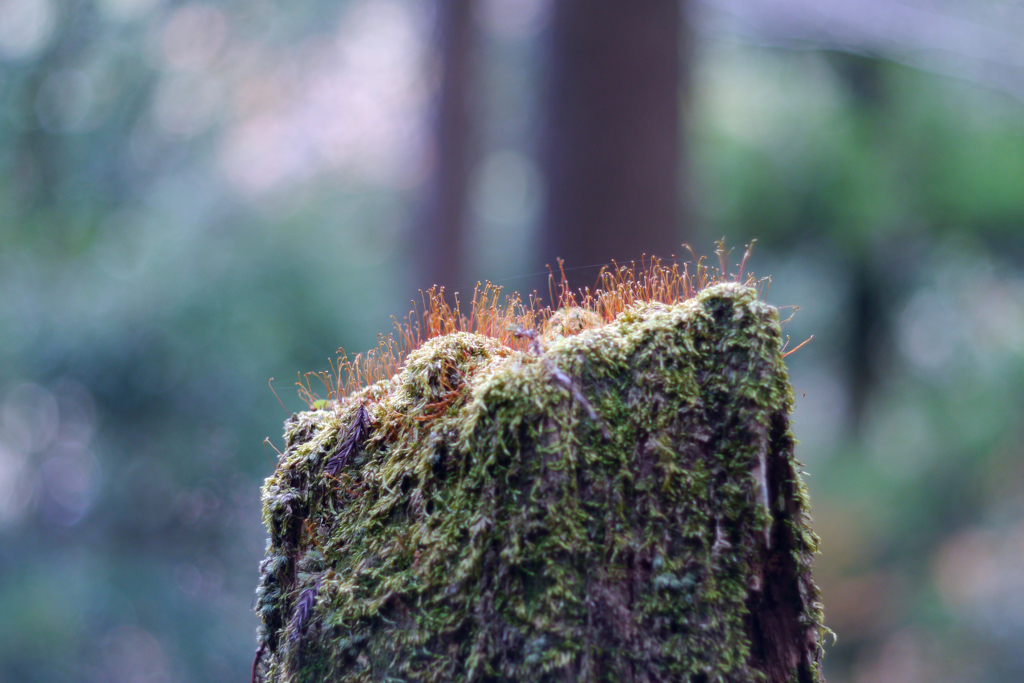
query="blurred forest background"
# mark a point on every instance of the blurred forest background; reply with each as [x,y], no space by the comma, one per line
[196,197]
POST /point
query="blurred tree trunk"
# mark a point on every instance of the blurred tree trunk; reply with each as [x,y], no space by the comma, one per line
[439,236]
[612,148]
[871,296]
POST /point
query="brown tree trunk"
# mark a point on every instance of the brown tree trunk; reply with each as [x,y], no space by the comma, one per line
[612,147]
[439,236]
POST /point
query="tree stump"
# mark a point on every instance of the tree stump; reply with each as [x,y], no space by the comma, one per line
[621,504]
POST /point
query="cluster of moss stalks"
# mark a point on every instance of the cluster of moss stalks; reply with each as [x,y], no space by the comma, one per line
[619,504]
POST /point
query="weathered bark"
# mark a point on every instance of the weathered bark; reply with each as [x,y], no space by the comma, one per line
[612,142]
[622,506]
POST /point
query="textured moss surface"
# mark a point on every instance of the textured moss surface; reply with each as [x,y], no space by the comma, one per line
[489,529]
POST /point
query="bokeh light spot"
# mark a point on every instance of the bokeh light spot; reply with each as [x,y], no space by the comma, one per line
[70,477]
[185,106]
[29,416]
[193,36]
[26,27]
[356,110]
[15,488]
[929,332]
[133,655]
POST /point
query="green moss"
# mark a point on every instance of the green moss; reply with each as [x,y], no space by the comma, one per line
[490,530]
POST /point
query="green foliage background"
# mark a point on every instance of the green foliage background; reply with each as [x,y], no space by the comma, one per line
[151,281]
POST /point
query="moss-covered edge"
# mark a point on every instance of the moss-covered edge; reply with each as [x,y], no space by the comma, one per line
[490,529]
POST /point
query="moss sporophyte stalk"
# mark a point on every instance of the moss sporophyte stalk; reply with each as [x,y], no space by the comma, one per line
[603,492]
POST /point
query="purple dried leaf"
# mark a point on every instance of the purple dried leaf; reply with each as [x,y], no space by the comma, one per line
[357,433]
[303,607]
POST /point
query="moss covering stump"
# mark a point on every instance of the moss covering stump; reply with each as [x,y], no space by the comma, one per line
[621,504]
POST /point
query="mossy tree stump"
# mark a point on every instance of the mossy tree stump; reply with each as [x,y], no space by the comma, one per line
[622,506]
